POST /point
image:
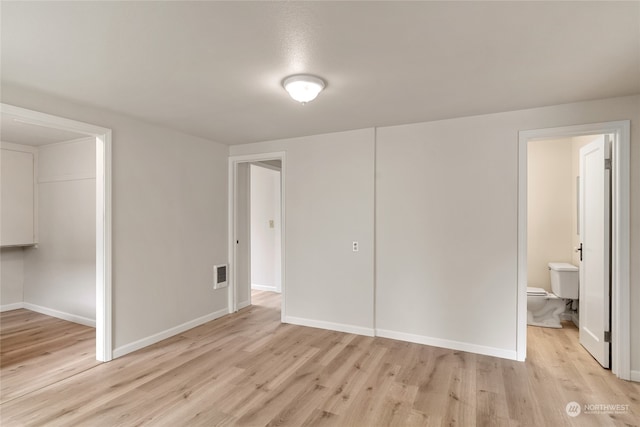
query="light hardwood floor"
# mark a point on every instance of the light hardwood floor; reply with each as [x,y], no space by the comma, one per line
[38,350]
[248,369]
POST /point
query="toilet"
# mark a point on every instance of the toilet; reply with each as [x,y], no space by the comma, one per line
[544,308]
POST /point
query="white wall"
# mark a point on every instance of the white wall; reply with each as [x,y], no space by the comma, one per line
[169,228]
[11,278]
[329,185]
[550,218]
[446,223]
[169,221]
[59,273]
[265,228]
[446,197]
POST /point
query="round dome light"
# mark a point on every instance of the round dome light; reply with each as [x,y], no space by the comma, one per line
[303,87]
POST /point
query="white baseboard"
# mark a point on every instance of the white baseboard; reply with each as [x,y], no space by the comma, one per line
[60,314]
[9,307]
[635,376]
[152,339]
[264,288]
[453,345]
[243,304]
[340,327]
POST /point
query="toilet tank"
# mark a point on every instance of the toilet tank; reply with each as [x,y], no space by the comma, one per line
[564,279]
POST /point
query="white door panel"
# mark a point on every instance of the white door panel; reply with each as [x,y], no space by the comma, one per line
[594,236]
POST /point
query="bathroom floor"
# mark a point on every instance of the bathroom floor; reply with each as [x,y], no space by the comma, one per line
[546,342]
[569,331]
[554,347]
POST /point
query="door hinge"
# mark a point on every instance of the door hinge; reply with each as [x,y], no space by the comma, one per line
[607,164]
[607,336]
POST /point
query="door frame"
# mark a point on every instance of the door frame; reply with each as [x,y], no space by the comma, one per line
[104,345]
[620,217]
[233,223]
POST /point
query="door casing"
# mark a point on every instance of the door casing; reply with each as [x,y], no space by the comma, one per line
[620,249]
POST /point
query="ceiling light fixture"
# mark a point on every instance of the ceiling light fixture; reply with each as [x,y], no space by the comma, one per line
[303,87]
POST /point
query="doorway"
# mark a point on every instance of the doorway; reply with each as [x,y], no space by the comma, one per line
[620,316]
[102,137]
[264,214]
[256,242]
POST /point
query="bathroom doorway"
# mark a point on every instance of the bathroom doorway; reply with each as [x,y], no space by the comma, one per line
[550,230]
[554,219]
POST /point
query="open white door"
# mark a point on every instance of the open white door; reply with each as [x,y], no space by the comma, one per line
[594,236]
[242,288]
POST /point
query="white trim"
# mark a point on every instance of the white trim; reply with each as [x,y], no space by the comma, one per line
[9,307]
[267,166]
[321,324]
[374,232]
[104,314]
[69,177]
[620,305]
[264,288]
[60,314]
[453,345]
[635,376]
[621,248]
[18,147]
[71,141]
[103,320]
[232,231]
[244,304]
[168,333]
[283,246]
[521,300]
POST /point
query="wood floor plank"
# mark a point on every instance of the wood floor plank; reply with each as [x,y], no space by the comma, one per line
[352,381]
[462,400]
[321,418]
[248,369]
[491,402]
[368,407]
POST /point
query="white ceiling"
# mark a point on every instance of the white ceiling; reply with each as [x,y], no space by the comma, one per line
[213,69]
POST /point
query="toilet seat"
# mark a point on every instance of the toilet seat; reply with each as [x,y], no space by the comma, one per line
[539,292]
[531,291]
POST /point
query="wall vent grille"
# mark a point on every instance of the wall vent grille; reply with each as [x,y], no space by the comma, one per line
[220,276]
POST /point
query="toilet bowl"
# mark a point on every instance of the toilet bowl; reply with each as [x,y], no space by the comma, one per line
[544,308]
